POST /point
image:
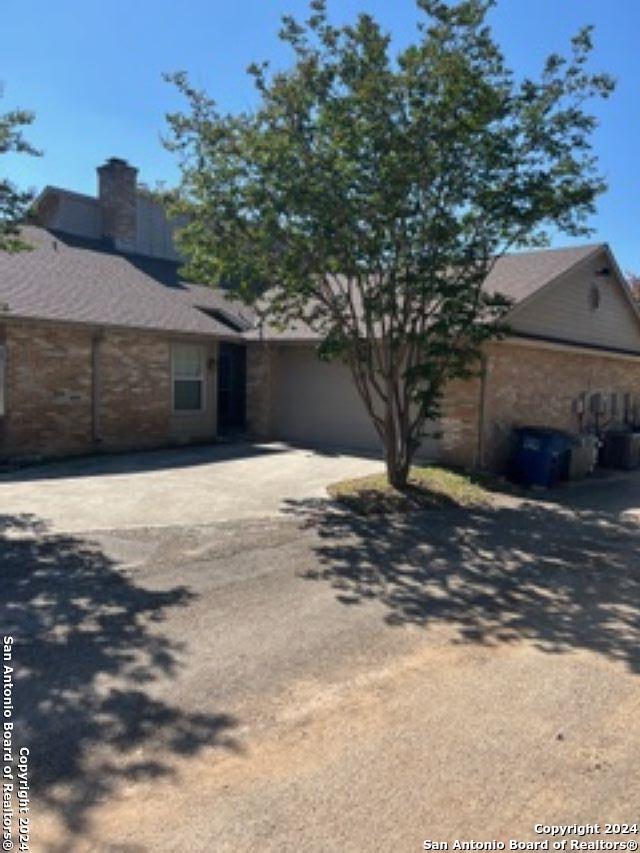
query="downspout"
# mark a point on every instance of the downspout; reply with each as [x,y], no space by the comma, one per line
[484,360]
[96,340]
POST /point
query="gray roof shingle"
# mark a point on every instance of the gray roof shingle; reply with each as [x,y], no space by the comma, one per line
[79,280]
[520,275]
[515,276]
[75,279]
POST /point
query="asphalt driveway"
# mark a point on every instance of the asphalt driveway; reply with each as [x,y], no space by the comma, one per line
[201,485]
[311,680]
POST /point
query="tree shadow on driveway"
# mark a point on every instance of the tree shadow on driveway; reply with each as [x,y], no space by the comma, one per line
[88,650]
[558,577]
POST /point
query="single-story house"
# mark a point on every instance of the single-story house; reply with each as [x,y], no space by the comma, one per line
[104,347]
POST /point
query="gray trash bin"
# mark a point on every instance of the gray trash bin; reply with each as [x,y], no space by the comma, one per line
[584,456]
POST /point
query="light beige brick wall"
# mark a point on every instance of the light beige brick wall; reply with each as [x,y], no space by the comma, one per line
[535,386]
[135,390]
[459,424]
[525,385]
[49,393]
[48,390]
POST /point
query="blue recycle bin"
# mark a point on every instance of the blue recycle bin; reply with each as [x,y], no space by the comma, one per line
[542,456]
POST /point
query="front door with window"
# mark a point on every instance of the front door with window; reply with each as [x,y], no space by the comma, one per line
[232,385]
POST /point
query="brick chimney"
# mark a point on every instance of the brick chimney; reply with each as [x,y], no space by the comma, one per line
[117,193]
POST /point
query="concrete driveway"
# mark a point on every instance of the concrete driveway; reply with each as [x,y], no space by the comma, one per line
[313,680]
[202,485]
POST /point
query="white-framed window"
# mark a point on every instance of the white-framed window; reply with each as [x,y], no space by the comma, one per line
[187,368]
[3,380]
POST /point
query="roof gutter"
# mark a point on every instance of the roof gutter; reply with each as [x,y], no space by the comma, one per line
[528,339]
[10,316]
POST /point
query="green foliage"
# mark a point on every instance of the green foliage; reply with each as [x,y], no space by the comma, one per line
[633,281]
[369,196]
[13,202]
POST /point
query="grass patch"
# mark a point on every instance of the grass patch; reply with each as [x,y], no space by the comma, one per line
[429,487]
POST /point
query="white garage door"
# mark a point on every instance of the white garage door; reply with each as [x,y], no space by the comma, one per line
[317,403]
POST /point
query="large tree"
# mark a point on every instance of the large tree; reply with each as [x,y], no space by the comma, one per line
[13,202]
[369,196]
[633,280]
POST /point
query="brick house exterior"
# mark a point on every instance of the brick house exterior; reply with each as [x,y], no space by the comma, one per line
[72,390]
[526,385]
[104,348]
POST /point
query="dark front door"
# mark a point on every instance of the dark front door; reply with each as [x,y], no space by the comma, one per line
[232,385]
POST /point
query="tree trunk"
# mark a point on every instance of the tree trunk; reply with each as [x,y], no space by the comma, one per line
[397,474]
[398,453]
[391,421]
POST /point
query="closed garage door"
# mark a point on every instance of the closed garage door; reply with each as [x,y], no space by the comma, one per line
[317,403]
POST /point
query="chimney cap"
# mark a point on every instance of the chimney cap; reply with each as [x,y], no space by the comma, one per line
[117,162]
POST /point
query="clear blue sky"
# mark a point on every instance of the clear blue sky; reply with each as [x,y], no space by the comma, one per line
[91,71]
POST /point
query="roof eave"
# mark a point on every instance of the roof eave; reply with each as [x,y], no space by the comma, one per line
[99,324]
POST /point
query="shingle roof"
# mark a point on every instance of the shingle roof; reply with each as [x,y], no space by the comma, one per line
[214,300]
[516,276]
[523,273]
[75,279]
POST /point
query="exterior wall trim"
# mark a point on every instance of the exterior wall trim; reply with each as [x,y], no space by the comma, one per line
[8,317]
[558,344]
[622,282]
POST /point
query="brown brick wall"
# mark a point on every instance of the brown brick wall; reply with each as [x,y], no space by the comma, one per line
[48,390]
[49,382]
[49,393]
[117,193]
[526,386]
[458,444]
[135,390]
[535,386]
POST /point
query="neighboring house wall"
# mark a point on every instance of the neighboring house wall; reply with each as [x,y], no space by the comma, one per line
[154,231]
[527,384]
[565,310]
[71,213]
[72,389]
[459,441]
